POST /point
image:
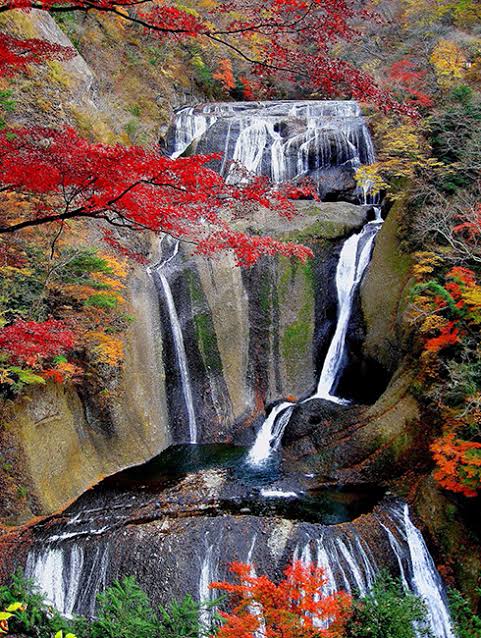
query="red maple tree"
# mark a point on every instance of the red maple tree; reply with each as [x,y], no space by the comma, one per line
[269,35]
[295,608]
[17,54]
[29,342]
[458,464]
[410,82]
[58,177]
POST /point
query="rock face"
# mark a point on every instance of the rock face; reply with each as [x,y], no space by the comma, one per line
[67,448]
[358,444]
[384,295]
[178,536]
[252,336]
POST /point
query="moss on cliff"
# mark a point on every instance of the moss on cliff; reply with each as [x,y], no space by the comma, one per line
[458,550]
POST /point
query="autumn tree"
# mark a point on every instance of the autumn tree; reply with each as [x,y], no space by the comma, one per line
[270,37]
[447,312]
[297,607]
[130,188]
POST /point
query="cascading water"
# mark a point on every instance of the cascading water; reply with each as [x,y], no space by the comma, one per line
[178,337]
[418,570]
[348,563]
[285,140]
[208,574]
[69,576]
[353,261]
[270,434]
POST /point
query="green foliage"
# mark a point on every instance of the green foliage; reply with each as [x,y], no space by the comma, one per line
[105,302]
[7,105]
[124,611]
[388,611]
[37,619]
[135,110]
[78,265]
[181,620]
[436,288]
[17,378]
[467,623]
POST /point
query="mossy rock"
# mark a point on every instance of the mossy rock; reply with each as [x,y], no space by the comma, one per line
[384,294]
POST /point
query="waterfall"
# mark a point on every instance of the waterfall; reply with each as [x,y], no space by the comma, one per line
[69,577]
[285,140]
[270,434]
[421,574]
[346,556]
[256,608]
[189,126]
[353,261]
[179,345]
[206,594]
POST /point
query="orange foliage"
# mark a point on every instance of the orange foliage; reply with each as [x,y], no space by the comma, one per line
[225,75]
[459,464]
[247,91]
[295,608]
[448,336]
[106,348]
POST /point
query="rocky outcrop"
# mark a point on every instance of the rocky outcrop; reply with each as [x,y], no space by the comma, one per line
[356,444]
[377,442]
[66,448]
[384,295]
[255,335]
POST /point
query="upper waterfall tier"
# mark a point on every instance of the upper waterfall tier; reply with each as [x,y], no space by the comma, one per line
[283,140]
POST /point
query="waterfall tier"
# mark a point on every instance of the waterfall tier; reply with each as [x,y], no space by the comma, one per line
[283,140]
[72,570]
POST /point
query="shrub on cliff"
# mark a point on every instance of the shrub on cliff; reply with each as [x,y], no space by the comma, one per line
[466,622]
[388,611]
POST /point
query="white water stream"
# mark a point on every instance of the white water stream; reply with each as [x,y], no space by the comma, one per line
[353,262]
[178,337]
[349,564]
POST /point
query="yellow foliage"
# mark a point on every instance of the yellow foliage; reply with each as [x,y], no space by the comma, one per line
[368,178]
[107,349]
[113,284]
[57,73]
[117,266]
[472,298]
[403,151]
[91,126]
[427,12]
[426,263]
[432,324]
[449,62]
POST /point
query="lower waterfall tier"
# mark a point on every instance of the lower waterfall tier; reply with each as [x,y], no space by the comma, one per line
[173,557]
[176,533]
